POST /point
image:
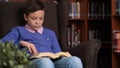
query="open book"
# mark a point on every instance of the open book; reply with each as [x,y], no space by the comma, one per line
[51,55]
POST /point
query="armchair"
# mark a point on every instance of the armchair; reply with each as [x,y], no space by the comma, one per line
[87,51]
[11,15]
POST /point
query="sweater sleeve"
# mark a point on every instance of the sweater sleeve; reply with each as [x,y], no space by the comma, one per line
[56,46]
[13,36]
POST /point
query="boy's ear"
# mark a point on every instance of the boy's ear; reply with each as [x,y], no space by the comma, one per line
[25,17]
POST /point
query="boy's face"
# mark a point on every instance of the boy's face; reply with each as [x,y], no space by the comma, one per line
[35,19]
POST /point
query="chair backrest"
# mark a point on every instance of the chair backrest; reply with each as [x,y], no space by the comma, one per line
[11,14]
[88,52]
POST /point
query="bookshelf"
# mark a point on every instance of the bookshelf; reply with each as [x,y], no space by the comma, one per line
[94,22]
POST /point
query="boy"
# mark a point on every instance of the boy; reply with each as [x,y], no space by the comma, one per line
[38,39]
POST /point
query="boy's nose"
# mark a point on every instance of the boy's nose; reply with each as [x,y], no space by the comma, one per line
[37,21]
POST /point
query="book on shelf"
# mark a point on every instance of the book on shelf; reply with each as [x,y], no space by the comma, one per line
[69,35]
[93,34]
[116,40]
[118,7]
[78,9]
[77,37]
[51,55]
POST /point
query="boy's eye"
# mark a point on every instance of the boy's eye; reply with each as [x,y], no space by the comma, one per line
[33,18]
[41,18]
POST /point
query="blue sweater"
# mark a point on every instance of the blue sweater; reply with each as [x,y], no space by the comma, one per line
[45,42]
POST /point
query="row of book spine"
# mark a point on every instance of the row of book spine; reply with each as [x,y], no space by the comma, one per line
[49,1]
[98,10]
[4,0]
[118,7]
[73,35]
[95,10]
[94,34]
[74,9]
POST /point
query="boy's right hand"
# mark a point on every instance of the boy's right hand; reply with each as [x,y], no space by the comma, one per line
[31,47]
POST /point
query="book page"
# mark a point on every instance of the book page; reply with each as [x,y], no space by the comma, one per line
[63,54]
[44,54]
[51,55]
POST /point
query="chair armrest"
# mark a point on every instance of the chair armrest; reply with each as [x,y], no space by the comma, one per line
[88,52]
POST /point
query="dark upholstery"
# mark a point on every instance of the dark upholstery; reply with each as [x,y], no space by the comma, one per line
[0,30]
[55,19]
[87,51]
[11,14]
[63,22]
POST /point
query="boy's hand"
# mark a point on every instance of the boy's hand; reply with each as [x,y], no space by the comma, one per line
[31,47]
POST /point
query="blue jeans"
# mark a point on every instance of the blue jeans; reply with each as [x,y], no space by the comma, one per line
[65,62]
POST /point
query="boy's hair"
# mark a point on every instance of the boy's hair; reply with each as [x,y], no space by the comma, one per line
[33,5]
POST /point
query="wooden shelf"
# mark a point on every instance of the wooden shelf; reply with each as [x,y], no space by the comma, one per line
[76,19]
[99,19]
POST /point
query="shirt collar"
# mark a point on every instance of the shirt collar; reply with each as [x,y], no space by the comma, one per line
[40,30]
